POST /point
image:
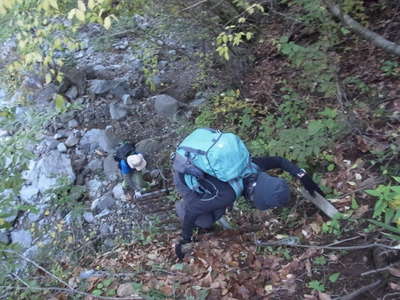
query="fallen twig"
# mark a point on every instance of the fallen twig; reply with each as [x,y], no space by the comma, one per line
[69,289]
[357,247]
[345,240]
[360,291]
[378,270]
[194,5]
[390,295]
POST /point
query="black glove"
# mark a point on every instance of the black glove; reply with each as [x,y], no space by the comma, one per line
[178,249]
[310,185]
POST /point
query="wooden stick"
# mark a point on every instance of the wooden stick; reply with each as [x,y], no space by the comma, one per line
[360,291]
[321,203]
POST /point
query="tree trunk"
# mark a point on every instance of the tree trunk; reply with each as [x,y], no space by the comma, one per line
[365,33]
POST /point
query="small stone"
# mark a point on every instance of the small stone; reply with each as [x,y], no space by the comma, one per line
[73,124]
[127,99]
[88,216]
[21,237]
[72,140]
[62,148]
[126,290]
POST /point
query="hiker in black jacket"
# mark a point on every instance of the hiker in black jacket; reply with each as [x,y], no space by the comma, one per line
[261,190]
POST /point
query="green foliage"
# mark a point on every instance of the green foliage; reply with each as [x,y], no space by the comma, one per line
[320,260]
[334,277]
[301,144]
[230,113]
[235,34]
[103,288]
[333,226]
[150,68]
[316,285]
[318,72]
[147,234]
[37,25]
[390,68]
[355,8]
[388,204]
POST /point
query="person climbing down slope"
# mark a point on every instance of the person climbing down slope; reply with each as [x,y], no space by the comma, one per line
[212,169]
[131,165]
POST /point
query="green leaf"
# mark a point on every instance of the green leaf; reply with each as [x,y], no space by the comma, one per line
[316,285]
[97,292]
[331,167]
[392,236]
[354,204]
[385,226]
[107,282]
[334,277]
[60,102]
[177,267]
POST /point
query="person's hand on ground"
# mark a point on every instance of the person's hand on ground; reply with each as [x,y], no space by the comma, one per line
[310,185]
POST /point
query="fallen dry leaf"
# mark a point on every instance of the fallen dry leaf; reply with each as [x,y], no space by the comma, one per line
[323,296]
[394,271]
[394,286]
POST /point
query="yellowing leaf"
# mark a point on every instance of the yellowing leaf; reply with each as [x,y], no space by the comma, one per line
[48,78]
[53,4]
[57,44]
[71,14]
[60,102]
[80,15]
[2,222]
[242,20]
[8,4]
[91,4]
[249,35]
[81,6]
[107,23]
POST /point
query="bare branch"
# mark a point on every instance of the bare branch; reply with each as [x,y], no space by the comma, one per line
[360,30]
[194,5]
[356,247]
[360,291]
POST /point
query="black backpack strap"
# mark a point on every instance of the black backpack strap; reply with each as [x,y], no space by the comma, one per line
[192,150]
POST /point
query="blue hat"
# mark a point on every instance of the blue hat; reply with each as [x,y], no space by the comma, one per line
[270,192]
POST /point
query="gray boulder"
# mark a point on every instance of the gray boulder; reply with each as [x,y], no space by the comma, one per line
[73,124]
[4,237]
[44,174]
[98,138]
[99,86]
[106,201]
[148,146]
[110,168]
[95,164]
[88,217]
[117,111]
[72,140]
[166,106]
[22,238]
[94,188]
[62,148]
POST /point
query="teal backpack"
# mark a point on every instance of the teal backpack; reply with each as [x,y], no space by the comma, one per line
[221,155]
